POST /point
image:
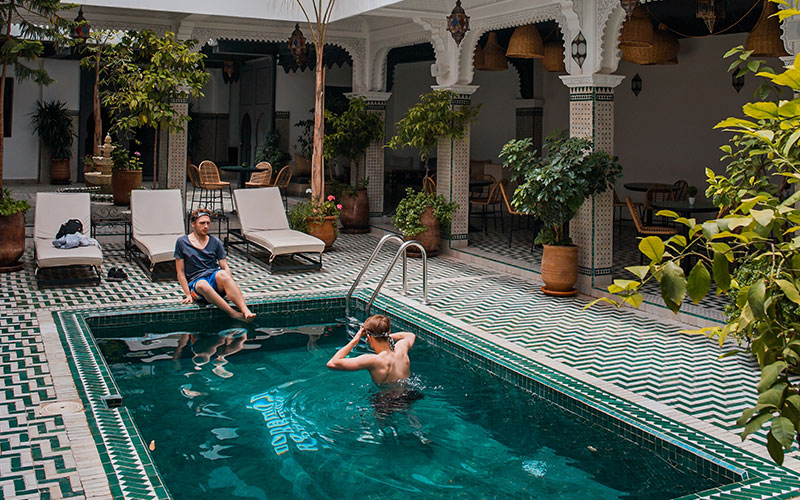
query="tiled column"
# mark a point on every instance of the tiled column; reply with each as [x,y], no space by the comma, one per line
[372,163]
[177,144]
[283,126]
[529,113]
[452,171]
[591,115]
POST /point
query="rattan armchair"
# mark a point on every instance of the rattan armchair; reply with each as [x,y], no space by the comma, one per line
[503,188]
[493,200]
[261,177]
[282,181]
[210,181]
[643,230]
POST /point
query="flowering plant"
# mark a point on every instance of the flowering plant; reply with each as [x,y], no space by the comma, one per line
[313,211]
[135,161]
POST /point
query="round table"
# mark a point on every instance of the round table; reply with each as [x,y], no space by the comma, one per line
[244,172]
[644,186]
[683,207]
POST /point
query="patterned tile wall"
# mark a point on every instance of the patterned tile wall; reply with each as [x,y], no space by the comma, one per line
[373,164]
[283,126]
[176,169]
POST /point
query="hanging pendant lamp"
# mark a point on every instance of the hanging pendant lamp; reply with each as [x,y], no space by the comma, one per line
[664,50]
[494,58]
[525,43]
[553,59]
[479,61]
[765,39]
[637,30]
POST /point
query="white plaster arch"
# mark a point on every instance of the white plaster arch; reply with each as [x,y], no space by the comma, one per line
[609,20]
[379,54]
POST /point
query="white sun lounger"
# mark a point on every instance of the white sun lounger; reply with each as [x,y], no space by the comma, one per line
[264,225]
[157,220]
[52,210]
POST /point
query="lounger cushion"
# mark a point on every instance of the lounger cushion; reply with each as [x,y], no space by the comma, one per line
[286,241]
[49,256]
[260,209]
[158,248]
[157,212]
[54,209]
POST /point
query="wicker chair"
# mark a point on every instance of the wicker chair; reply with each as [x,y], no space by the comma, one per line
[261,177]
[282,181]
[504,188]
[493,200]
[210,181]
[194,179]
[621,205]
[654,195]
[482,193]
[429,185]
[643,230]
[681,190]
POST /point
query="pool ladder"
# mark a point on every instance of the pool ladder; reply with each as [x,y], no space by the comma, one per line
[401,251]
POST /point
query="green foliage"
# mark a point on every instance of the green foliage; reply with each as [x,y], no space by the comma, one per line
[432,117]
[312,210]
[691,191]
[351,132]
[10,206]
[411,207]
[340,189]
[757,237]
[553,187]
[305,141]
[271,152]
[123,160]
[144,74]
[51,121]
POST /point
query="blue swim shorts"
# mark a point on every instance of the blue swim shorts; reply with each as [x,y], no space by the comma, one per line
[211,279]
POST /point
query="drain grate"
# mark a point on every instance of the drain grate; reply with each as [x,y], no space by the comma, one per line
[60,408]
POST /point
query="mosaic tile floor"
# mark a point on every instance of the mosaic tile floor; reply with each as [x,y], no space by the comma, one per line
[628,348]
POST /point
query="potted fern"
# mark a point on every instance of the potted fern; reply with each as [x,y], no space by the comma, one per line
[419,216]
[552,188]
[52,123]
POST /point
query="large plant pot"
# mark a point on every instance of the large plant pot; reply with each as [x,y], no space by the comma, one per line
[428,238]
[326,231]
[559,269]
[59,171]
[12,241]
[122,183]
[355,213]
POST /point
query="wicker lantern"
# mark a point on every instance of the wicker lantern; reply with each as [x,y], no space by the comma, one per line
[525,43]
[664,50]
[765,39]
[553,59]
[478,61]
[637,30]
[494,58]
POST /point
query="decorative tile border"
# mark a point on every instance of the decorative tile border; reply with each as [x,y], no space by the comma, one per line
[132,474]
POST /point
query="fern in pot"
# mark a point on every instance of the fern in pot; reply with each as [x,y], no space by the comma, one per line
[52,123]
[552,188]
[420,215]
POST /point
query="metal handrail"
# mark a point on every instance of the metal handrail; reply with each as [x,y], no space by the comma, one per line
[402,250]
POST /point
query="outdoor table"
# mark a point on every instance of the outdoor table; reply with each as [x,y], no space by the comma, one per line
[642,187]
[682,207]
[244,172]
[108,219]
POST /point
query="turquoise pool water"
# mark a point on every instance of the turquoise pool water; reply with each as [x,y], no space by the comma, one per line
[254,413]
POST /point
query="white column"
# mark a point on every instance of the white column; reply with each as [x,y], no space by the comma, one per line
[591,115]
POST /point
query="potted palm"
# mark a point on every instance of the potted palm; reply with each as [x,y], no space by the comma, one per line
[419,216]
[126,174]
[317,219]
[12,237]
[552,188]
[52,123]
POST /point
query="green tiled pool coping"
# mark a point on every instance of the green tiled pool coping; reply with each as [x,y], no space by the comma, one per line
[681,445]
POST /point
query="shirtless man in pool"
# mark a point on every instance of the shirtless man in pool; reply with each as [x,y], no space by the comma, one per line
[389,363]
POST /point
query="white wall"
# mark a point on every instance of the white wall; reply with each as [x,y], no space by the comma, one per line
[294,92]
[666,133]
[21,155]
[410,81]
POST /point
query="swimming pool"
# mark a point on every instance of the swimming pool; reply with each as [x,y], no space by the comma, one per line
[261,416]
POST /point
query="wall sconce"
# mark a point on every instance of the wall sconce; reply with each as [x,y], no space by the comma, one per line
[297,46]
[737,81]
[636,84]
[230,71]
[458,23]
[579,49]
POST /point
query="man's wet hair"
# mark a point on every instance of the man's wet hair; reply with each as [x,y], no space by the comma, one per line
[378,326]
[199,212]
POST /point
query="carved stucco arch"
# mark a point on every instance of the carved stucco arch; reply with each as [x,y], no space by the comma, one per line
[380,55]
[609,20]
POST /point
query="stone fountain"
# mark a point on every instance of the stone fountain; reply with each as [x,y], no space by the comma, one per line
[102,168]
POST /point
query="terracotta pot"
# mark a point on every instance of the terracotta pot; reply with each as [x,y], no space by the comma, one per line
[59,171]
[355,212]
[428,238]
[559,268]
[326,231]
[122,183]
[12,241]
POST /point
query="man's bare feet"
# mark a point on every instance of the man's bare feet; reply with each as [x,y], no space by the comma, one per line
[249,315]
[236,315]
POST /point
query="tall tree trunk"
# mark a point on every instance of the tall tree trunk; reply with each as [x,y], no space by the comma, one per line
[3,100]
[98,120]
[317,167]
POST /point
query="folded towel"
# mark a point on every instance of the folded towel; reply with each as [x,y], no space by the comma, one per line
[74,240]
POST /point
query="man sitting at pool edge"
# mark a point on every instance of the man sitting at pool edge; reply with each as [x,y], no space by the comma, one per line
[202,267]
[390,362]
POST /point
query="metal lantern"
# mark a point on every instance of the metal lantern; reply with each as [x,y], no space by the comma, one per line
[81,29]
[636,84]
[458,23]
[579,49]
[737,81]
[628,6]
[297,46]
[709,12]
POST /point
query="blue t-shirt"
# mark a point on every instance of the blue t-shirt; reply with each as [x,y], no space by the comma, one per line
[198,263]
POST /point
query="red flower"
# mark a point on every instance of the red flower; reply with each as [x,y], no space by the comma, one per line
[339,207]
[331,197]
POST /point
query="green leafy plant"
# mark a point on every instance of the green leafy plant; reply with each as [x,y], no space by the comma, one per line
[305,141]
[758,238]
[691,191]
[411,207]
[21,47]
[123,160]
[10,206]
[553,187]
[351,132]
[312,210]
[145,74]
[271,152]
[51,121]
[432,117]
